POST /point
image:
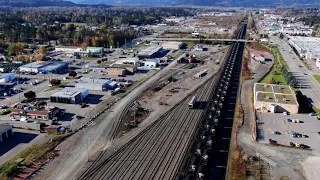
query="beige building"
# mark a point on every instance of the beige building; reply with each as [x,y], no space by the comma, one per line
[115,71]
[275,98]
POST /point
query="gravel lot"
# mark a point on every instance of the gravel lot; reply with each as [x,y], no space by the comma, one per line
[279,122]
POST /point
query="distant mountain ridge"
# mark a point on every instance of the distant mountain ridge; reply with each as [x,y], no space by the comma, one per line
[39,3]
[224,3]
[228,3]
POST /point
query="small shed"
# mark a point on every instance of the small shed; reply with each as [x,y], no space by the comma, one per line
[260,57]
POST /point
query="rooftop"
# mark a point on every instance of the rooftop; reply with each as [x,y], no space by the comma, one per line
[310,44]
[172,43]
[93,81]
[281,94]
[266,97]
[285,99]
[4,127]
[153,60]
[149,50]
[263,87]
[68,92]
[44,65]
[280,89]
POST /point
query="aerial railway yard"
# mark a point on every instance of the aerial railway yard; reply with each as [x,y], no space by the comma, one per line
[208,152]
[158,151]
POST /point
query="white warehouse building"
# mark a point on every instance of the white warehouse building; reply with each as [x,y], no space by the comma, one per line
[306,46]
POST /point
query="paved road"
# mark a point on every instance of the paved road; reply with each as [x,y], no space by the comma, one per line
[308,84]
[193,39]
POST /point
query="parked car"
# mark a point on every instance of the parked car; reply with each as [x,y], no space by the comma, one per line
[272,141]
[79,117]
[277,132]
[292,144]
[14,119]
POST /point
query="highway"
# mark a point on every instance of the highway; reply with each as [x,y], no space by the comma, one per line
[306,82]
[194,39]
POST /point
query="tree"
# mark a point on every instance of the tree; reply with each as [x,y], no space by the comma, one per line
[30,95]
[40,57]
[72,73]
[84,46]
[281,36]
[42,50]
[99,61]
[55,82]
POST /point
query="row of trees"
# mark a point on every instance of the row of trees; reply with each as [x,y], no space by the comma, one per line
[53,24]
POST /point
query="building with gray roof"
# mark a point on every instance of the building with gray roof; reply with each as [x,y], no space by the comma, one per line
[69,95]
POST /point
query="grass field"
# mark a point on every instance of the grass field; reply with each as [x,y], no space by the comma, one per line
[275,72]
[317,77]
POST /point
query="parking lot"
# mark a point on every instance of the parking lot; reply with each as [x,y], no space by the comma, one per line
[308,126]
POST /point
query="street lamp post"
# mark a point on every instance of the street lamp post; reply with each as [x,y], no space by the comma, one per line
[88,148]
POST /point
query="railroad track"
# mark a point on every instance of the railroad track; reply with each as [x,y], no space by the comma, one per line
[153,152]
[207,155]
[129,104]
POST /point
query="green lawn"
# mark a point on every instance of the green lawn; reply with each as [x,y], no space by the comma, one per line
[275,73]
[316,110]
[317,77]
[189,43]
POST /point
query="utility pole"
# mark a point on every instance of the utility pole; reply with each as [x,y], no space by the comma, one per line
[88,148]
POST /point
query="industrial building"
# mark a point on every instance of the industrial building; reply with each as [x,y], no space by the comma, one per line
[149,52]
[96,84]
[129,69]
[151,63]
[115,71]
[172,45]
[44,114]
[5,132]
[306,46]
[7,78]
[275,98]
[292,29]
[73,49]
[132,61]
[45,67]
[69,95]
